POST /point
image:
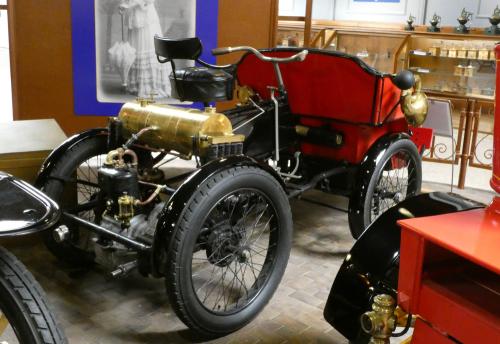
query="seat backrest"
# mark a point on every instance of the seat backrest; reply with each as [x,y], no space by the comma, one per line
[178,49]
[329,85]
[439,117]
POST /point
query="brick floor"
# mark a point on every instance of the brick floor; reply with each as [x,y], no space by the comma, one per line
[94,308]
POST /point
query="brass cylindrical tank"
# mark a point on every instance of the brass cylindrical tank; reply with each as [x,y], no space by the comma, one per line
[186,131]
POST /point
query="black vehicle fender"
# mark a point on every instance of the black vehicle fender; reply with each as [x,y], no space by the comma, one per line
[173,210]
[367,168]
[372,265]
[49,163]
[19,196]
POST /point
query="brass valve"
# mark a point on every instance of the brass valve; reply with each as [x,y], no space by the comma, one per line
[381,321]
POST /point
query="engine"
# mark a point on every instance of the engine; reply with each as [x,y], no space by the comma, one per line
[131,202]
[127,211]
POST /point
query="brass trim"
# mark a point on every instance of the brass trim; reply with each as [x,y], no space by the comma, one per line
[4,322]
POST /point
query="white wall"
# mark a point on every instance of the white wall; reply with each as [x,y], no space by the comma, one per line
[449,10]
[381,12]
[322,9]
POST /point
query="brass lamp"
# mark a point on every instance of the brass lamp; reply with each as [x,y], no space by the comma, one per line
[415,105]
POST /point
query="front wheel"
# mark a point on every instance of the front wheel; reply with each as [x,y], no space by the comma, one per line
[25,316]
[229,250]
[396,176]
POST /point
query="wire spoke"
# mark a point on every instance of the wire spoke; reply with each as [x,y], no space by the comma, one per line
[233,255]
[398,173]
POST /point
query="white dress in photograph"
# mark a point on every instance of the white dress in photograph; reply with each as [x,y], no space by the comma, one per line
[147,76]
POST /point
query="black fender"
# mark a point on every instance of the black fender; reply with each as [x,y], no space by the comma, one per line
[49,163]
[365,172]
[372,265]
[173,210]
[18,197]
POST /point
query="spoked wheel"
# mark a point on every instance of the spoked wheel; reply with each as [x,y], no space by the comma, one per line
[397,176]
[73,185]
[232,251]
[229,250]
[395,183]
[24,314]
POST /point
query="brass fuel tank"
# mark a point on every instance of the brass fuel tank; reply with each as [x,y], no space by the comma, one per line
[186,131]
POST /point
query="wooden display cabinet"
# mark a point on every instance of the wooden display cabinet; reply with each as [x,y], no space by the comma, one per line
[454,65]
[386,53]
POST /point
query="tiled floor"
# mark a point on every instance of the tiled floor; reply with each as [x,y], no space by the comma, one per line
[93,308]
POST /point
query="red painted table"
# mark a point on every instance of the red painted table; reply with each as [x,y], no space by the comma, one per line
[450,275]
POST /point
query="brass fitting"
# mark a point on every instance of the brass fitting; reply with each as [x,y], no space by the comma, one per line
[381,321]
[145,101]
[210,110]
[125,209]
[244,94]
[115,158]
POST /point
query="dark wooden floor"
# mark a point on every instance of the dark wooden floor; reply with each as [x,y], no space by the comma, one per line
[94,308]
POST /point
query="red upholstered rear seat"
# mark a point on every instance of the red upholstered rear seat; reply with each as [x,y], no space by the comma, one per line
[336,90]
[327,84]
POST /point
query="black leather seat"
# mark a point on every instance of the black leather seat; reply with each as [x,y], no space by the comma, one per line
[205,83]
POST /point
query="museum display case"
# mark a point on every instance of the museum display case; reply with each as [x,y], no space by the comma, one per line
[454,66]
[387,53]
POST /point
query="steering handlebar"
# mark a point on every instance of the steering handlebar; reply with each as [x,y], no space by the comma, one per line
[299,57]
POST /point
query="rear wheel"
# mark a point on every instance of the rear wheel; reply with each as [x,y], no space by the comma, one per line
[397,176]
[229,250]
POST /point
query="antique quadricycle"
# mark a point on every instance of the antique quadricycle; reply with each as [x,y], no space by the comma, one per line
[221,232]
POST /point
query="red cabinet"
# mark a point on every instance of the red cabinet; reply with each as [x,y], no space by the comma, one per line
[450,276]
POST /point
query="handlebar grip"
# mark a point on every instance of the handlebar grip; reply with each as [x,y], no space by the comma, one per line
[300,57]
[221,51]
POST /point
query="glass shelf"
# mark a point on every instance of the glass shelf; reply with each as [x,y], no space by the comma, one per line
[466,76]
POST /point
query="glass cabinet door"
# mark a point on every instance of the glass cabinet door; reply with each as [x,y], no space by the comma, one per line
[383,52]
[460,67]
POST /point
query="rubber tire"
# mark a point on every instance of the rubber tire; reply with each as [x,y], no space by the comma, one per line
[67,164]
[359,222]
[179,288]
[23,302]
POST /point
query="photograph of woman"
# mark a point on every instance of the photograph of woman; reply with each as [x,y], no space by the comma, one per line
[127,67]
[146,77]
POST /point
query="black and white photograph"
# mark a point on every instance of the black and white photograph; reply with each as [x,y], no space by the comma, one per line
[127,66]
